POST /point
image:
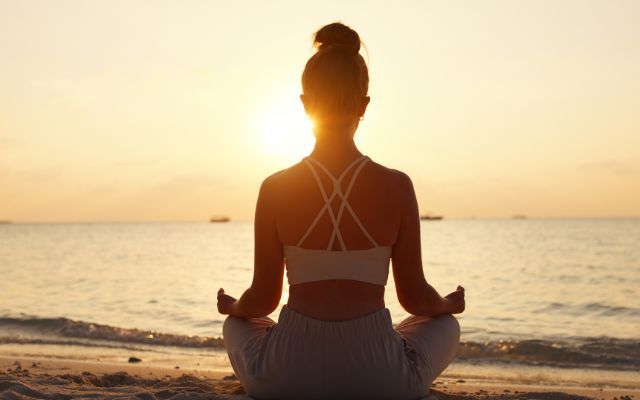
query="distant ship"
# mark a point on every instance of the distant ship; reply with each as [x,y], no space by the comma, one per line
[219,219]
[429,217]
[519,216]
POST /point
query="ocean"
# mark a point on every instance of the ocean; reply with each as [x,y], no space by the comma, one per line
[558,294]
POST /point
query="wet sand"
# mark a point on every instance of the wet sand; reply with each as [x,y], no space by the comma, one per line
[32,378]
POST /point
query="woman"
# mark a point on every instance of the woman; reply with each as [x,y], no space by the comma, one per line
[334,220]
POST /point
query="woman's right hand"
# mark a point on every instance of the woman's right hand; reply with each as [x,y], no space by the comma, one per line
[225,302]
[454,301]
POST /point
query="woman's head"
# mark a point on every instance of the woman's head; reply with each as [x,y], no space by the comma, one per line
[335,80]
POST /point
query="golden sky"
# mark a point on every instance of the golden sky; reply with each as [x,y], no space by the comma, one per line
[168,110]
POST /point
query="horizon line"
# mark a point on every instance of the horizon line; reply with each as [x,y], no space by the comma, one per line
[515,217]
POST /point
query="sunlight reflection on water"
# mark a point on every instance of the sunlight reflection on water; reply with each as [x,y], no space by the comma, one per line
[523,279]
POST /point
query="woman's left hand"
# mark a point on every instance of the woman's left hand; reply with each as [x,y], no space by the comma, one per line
[225,302]
[455,301]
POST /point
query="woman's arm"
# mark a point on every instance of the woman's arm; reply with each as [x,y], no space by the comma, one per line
[414,293]
[263,296]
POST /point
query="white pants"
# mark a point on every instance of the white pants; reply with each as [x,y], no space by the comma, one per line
[305,358]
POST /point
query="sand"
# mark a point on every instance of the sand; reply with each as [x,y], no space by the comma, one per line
[32,378]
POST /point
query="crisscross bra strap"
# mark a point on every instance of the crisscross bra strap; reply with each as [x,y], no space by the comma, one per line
[337,191]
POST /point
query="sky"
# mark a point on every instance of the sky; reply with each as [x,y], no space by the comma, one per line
[176,110]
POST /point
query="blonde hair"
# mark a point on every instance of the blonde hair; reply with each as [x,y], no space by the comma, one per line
[336,77]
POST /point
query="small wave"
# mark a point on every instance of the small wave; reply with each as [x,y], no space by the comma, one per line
[601,352]
[64,327]
[605,309]
[583,352]
[66,342]
[589,309]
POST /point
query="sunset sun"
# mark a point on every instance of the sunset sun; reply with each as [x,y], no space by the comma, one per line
[284,130]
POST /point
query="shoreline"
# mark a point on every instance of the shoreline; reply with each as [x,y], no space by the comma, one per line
[45,377]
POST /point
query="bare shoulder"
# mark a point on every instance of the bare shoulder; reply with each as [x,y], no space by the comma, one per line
[394,182]
[398,180]
[280,179]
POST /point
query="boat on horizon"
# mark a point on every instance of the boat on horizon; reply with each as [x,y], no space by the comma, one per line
[519,216]
[219,218]
[430,217]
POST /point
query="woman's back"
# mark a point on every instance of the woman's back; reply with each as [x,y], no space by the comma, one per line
[376,202]
[335,221]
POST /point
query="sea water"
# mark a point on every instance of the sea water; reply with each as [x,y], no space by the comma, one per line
[544,290]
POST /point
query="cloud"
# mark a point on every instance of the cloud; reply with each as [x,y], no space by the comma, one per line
[134,163]
[41,175]
[192,181]
[7,141]
[30,176]
[609,167]
[66,89]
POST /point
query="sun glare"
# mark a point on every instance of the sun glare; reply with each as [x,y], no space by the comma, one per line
[284,129]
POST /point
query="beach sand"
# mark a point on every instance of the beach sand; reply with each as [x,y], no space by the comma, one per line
[33,378]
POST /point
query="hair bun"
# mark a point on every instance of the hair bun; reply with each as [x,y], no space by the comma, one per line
[337,34]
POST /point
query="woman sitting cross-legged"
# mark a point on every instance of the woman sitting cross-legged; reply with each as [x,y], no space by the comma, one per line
[333,222]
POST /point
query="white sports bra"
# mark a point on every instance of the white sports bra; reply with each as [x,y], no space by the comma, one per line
[310,265]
